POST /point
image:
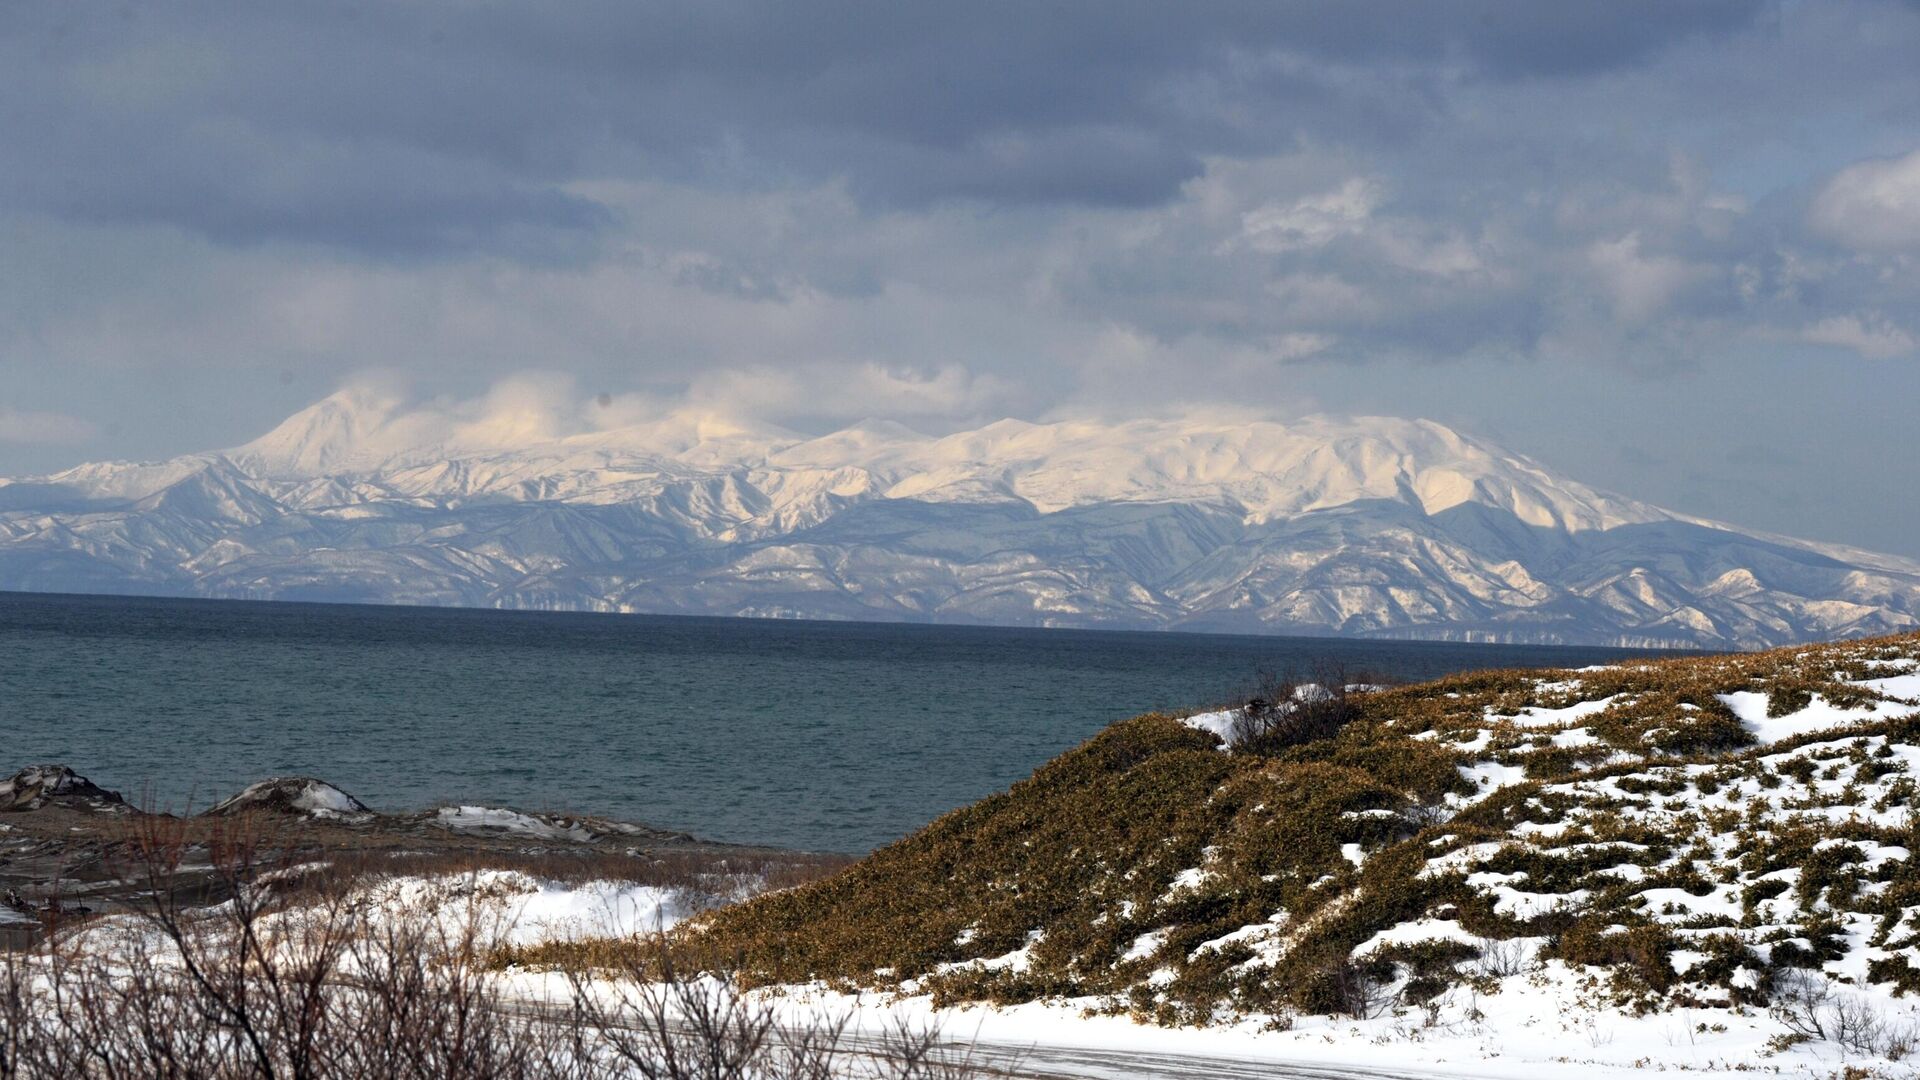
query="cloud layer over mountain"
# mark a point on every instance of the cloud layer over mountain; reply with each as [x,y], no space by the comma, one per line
[1672,245]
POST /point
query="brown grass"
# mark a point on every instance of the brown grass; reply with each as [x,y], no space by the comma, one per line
[304,983]
[1085,852]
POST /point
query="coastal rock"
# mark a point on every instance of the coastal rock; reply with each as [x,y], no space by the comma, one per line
[496,821]
[298,796]
[37,786]
[502,822]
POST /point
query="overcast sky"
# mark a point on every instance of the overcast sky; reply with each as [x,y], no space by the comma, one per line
[1669,248]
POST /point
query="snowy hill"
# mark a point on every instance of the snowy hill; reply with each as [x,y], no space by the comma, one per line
[1368,526]
[1707,859]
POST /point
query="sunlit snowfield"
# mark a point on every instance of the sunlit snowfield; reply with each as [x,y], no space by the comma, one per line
[826,736]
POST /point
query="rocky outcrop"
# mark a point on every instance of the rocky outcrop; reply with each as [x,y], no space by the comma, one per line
[310,799]
[38,786]
[294,796]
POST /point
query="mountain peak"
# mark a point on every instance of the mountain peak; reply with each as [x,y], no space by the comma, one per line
[365,429]
[1375,526]
[346,431]
[1266,468]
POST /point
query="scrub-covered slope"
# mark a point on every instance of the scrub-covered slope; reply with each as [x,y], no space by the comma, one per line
[1726,832]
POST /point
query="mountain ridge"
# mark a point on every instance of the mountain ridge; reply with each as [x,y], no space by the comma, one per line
[1367,526]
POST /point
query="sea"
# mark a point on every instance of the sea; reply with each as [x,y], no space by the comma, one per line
[823,736]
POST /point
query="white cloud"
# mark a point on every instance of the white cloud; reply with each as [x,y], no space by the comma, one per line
[521,410]
[1443,253]
[1351,210]
[1872,205]
[43,428]
[1314,221]
[1576,218]
[1639,284]
[832,392]
[1872,336]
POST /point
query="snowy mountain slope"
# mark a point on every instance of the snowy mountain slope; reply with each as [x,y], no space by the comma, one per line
[1368,526]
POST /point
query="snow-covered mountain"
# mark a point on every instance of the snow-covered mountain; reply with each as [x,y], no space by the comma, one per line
[1370,526]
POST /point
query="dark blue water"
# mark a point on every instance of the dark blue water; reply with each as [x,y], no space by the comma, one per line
[830,736]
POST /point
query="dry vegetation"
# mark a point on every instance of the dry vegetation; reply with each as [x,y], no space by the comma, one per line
[1732,832]
[296,974]
[1623,821]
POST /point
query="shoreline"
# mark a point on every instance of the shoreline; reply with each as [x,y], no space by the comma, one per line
[70,849]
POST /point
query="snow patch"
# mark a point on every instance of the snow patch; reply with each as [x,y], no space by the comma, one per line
[1750,708]
[1144,946]
[484,819]
[1414,932]
[1220,724]
[1537,717]
[1905,687]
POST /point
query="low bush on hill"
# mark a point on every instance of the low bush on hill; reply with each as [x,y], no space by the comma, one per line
[1344,850]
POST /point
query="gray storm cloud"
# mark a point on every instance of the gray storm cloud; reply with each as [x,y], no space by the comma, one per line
[1584,226]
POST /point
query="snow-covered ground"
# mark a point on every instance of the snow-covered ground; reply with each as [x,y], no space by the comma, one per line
[512,908]
[1541,1020]
[1543,1023]
[1834,779]
[1544,1020]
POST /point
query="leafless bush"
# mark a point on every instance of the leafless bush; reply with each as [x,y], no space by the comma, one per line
[1502,957]
[1857,1025]
[261,986]
[1809,1006]
[1422,815]
[1290,710]
[665,1021]
[1801,1001]
[1361,989]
